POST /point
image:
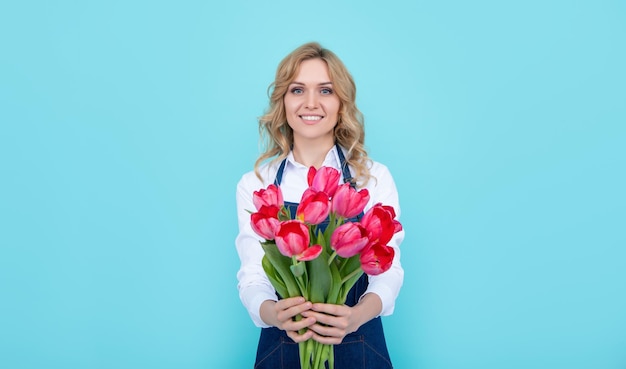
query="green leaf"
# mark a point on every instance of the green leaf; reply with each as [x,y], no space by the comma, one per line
[282,265]
[347,285]
[321,239]
[349,265]
[297,269]
[274,277]
[350,269]
[335,287]
[284,214]
[328,232]
[319,278]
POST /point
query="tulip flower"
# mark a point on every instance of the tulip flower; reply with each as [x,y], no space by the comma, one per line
[349,239]
[396,224]
[265,221]
[376,259]
[314,207]
[325,179]
[292,239]
[347,202]
[271,196]
[379,223]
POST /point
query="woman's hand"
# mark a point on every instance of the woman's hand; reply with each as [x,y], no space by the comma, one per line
[281,314]
[334,322]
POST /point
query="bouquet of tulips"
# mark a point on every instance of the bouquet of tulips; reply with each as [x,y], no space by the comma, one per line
[322,251]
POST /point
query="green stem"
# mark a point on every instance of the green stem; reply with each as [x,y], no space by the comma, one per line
[318,363]
[302,351]
[301,282]
[331,358]
[332,257]
[346,278]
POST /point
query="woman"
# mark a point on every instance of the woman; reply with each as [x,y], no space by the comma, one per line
[313,121]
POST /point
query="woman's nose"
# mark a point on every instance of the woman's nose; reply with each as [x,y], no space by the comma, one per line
[311,101]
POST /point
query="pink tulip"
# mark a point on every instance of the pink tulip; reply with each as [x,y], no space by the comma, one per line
[324,179]
[349,239]
[271,196]
[314,207]
[292,239]
[349,203]
[396,225]
[379,222]
[265,221]
[376,259]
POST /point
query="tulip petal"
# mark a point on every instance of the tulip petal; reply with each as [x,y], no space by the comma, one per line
[377,259]
[325,179]
[311,175]
[265,221]
[292,237]
[349,239]
[270,196]
[348,202]
[314,207]
[310,253]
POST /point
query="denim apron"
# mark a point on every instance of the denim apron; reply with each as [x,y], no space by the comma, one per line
[364,349]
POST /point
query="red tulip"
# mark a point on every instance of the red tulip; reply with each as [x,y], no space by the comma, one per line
[265,221]
[379,224]
[396,225]
[314,207]
[271,196]
[324,179]
[376,259]
[292,239]
[349,239]
[349,203]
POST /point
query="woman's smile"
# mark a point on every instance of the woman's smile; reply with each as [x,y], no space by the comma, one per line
[311,106]
[311,119]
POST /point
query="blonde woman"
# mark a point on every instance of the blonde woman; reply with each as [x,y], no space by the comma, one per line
[313,120]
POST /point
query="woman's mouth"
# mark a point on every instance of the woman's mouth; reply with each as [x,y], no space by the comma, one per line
[311,118]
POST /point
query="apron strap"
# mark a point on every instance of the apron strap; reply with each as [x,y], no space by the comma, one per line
[279,174]
[345,170]
[347,175]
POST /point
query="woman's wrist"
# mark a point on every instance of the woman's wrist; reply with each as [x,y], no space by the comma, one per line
[266,312]
[369,307]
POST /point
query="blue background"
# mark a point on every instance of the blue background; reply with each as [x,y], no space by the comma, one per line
[125,126]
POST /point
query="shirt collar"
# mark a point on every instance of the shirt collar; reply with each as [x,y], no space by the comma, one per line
[331,160]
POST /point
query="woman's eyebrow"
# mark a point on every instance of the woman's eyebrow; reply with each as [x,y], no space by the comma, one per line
[302,84]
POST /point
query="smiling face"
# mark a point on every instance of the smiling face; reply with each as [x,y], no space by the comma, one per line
[311,106]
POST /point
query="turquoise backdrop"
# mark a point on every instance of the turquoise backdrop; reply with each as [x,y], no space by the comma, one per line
[125,126]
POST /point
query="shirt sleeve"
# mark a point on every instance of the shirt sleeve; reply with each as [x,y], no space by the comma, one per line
[386,285]
[253,284]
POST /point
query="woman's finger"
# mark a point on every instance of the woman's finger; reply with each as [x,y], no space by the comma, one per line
[296,337]
[286,312]
[331,309]
[326,340]
[296,325]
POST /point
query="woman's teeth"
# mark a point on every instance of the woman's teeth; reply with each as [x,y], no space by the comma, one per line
[311,117]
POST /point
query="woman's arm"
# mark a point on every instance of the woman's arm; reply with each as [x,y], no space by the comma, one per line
[254,287]
[386,285]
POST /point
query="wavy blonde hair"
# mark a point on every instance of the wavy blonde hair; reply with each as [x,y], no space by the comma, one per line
[277,136]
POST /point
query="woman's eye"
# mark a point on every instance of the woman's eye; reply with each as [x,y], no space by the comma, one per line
[296,91]
[326,91]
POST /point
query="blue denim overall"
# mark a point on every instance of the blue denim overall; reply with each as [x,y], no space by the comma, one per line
[364,349]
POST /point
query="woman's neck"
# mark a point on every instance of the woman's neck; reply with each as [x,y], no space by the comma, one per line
[311,155]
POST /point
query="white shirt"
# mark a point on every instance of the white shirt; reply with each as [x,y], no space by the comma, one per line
[254,287]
